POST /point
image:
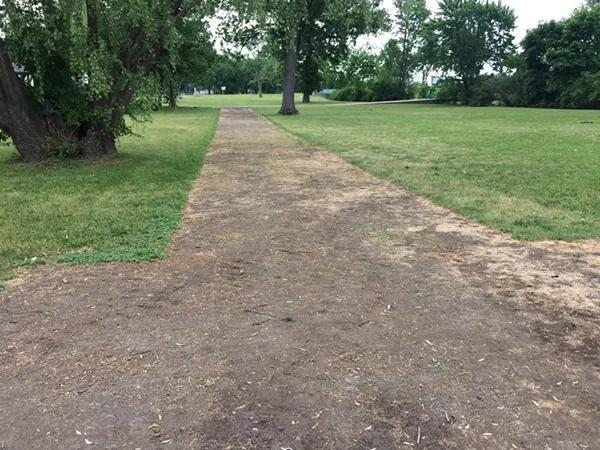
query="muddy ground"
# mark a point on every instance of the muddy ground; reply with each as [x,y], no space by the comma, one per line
[307,305]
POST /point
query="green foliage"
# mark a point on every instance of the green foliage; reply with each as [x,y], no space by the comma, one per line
[401,55]
[561,60]
[187,60]
[424,90]
[358,93]
[531,172]
[85,64]
[583,93]
[4,138]
[328,30]
[313,32]
[234,71]
[359,67]
[467,35]
[118,210]
[387,88]
[60,149]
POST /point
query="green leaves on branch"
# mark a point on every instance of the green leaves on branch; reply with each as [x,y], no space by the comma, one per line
[467,35]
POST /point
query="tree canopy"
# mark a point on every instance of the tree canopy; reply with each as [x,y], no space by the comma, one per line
[305,32]
[470,34]
[72,70]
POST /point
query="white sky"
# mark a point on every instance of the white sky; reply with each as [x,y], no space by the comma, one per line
[529,14]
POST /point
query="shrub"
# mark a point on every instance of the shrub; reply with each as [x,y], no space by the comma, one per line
[387,89]
[367,96]
[449,90]
[347,94]
[583,93]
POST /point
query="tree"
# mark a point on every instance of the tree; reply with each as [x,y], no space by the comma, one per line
[234,71]
[561,61]
[401,55]
[329,41]
[71,71]
[469,35]
[328,25]
[359,67]
[188,60]
[247,36]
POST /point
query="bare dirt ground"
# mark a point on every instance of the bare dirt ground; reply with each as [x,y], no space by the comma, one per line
[307,305]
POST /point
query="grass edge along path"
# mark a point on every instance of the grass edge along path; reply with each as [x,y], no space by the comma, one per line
[527,172]
[124,209]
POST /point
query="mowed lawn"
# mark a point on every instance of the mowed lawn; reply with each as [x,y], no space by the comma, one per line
[240,100]
[534,173]
[124,209]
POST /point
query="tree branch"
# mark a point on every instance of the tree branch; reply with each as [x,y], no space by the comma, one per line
[184,12]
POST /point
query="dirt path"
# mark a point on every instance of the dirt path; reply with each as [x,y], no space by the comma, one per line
[307,305]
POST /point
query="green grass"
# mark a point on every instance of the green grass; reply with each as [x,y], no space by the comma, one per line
[125,209]
[533,173]
[240,100]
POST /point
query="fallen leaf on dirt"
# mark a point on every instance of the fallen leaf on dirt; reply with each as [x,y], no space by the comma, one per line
[88,442]
[154,425]
[78,432]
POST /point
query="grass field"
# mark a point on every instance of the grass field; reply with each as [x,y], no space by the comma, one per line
[533,173]
[240,100]
[125,209]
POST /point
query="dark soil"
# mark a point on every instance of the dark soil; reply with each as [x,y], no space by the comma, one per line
[307,305]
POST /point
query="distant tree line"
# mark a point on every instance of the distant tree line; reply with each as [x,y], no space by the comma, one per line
[470,44]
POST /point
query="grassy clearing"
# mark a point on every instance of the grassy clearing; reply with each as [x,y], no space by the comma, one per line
[240,100]
[125,209]
[533,173]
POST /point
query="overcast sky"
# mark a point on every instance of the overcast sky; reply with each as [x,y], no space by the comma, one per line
[529,14]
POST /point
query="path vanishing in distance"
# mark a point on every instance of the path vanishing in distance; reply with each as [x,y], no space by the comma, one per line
[307,305]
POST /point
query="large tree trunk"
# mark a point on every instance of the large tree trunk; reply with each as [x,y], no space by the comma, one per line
[96,145]
[36,137]
[17,118]
[259,81]
[172,93]
[306,97]
[288,104]
[467,89]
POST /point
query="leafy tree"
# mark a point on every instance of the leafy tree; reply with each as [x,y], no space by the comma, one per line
[401,55]
[270,74]
[188,60]
[469,35]
[322,42]
[247,36]
[71,71]
[561,61]
[359,67]
[234,71]
[309,29]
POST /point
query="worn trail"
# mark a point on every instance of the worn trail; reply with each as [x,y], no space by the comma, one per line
[307,305]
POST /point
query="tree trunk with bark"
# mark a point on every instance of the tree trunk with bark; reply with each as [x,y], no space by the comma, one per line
[172,93]
[17,118]
[306,97]
[259,80]
[288,105]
